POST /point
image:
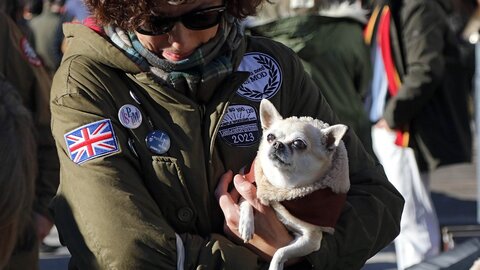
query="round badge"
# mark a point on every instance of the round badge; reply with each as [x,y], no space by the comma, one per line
[30,53]
[265,76]
[158,142]
[130,116]
[240,126]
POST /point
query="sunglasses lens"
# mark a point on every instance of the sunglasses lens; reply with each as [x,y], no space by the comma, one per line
[197,20]
[202,20]
[156,26]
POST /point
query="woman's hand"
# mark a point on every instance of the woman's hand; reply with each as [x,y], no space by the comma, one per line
[382,123]
[270,234]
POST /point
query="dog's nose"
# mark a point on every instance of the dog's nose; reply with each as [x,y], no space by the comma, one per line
[278,145]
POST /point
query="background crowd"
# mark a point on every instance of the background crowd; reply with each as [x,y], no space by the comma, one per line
[397,72]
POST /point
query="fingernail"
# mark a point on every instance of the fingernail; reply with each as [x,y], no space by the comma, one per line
[238,180]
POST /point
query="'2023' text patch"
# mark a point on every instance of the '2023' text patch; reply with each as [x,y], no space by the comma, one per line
[240,126]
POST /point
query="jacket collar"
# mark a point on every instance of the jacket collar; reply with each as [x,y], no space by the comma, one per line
[87,41]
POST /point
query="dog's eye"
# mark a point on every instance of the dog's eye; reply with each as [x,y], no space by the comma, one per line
[270,138]
[299,144]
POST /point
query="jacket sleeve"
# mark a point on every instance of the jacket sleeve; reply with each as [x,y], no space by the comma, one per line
[422,25]
[103,210]
[371,217]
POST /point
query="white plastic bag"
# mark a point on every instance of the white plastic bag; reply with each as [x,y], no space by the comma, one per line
[420,233]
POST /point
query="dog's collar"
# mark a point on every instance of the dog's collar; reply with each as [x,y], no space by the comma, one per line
[321,207]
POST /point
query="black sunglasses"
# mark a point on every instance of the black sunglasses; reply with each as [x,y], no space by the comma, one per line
[195,20]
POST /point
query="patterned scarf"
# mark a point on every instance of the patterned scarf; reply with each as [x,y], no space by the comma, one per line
[209,64]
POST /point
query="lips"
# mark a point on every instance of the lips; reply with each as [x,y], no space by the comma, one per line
[176,56]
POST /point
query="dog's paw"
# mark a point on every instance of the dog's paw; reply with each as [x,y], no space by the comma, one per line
[246,223]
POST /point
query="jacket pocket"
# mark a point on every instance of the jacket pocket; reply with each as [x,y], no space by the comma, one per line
[171,194]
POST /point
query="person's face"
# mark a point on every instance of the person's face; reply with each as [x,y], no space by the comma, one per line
[180,42]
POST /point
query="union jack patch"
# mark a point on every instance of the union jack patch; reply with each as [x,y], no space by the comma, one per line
[91,141]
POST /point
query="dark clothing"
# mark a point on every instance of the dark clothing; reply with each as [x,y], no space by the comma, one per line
[24,70]
[432,100]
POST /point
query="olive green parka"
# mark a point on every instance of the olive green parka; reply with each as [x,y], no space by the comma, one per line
[122,210]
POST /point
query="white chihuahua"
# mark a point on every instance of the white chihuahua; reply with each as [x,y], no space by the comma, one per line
[301,171]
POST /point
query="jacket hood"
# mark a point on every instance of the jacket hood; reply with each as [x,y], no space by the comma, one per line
[91,43]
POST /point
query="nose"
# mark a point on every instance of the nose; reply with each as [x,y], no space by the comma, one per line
[178,34]
[278,145]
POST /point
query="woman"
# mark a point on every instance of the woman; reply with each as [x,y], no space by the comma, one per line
[154,106]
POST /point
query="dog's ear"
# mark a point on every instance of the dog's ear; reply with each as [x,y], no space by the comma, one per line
[268,114]
[334,134]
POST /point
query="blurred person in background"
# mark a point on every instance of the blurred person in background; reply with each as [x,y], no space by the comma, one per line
[32,8]
[48,33]
[76,10]
[327,35]
[23,69]
[19,11]
[418,102]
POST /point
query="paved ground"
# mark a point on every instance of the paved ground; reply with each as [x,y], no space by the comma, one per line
[454,195]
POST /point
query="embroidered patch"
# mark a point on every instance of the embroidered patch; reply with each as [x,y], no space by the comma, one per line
[265,76]
[91,141]
[29,53]
[240,126]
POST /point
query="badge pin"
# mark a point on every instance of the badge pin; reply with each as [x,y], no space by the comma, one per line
[135,98]
[30,53]
[130,116]
[131,145]
[158,142]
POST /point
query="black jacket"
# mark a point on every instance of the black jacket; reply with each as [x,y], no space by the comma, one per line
[432,100]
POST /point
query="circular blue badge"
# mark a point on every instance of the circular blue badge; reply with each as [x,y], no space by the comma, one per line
[158,142]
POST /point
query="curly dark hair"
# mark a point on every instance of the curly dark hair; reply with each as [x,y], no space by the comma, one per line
[128,14]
